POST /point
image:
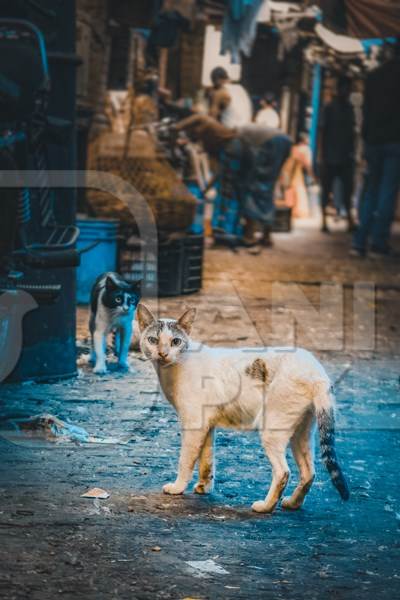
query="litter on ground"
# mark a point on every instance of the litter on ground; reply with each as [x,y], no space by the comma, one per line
[207,566]
[96,493]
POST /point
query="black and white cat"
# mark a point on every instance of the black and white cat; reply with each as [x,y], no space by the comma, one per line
[112,309]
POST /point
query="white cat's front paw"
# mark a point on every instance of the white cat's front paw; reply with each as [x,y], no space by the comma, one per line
[173,489]
[100,369]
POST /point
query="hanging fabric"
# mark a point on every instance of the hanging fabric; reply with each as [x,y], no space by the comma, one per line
[239,28]
[373,18]
[362,19]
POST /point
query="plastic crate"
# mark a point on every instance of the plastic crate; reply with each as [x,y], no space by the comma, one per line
[180,265]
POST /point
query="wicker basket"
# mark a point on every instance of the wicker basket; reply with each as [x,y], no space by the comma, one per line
[172,204]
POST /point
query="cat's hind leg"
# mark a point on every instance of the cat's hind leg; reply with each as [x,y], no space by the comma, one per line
[92,359]
[303,453]
[275,442]
[206,466]
[192,444]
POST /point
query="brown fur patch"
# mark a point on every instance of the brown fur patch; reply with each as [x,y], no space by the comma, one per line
[258,370]
[206,471]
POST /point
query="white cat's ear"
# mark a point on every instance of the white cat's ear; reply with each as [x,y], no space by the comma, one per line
[186,320]
[144,317]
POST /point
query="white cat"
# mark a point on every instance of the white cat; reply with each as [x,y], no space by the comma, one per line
[280,391]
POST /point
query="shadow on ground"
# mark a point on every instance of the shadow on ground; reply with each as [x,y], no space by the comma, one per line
[141,544]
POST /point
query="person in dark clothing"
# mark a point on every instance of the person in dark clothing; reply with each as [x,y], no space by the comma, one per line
[338,150]
[381,133]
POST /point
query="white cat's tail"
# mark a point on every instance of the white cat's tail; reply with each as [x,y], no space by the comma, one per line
[325,411]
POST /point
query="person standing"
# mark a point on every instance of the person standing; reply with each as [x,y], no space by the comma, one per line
[268,115]
[338,150]
[293,174]
[230,104]
[381,133]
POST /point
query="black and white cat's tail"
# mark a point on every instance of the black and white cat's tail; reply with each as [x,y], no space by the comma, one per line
[325,413]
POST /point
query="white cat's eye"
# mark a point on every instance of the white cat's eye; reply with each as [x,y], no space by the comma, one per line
[118,300]
[152,340]
[176,342]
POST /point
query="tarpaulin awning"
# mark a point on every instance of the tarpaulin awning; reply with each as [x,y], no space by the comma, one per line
[373,18]
[362,18]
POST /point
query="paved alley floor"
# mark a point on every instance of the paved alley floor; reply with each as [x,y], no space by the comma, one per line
[141,544]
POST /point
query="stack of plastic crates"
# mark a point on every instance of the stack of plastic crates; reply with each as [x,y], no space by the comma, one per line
[179,264]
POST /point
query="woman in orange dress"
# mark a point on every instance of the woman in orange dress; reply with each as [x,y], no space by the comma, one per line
[298,163]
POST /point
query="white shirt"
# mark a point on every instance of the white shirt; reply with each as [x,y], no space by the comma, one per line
[268,117]
[239,110]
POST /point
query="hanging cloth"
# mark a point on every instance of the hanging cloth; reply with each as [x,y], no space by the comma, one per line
[239,28]
[362,19]
[166,29]
[373,18]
